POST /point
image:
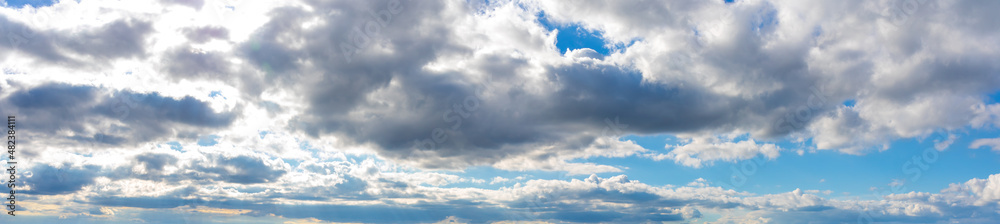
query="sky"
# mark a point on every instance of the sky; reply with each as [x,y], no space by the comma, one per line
[511,111]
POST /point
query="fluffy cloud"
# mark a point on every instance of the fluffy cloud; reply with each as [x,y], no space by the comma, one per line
[338,109]
[699,151]
[75,115]
[612,199]
[456,98]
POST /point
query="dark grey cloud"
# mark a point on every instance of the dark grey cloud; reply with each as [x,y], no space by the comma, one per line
[185,62]
[154,162]
[53,96]
[590,93]
[124,38]
[31,41]
[264,49]
[51,180]
[214,168]
[187,110]
[365,76]
[149,115]
[206,33]
[50,108]
[511,120]
[239,169]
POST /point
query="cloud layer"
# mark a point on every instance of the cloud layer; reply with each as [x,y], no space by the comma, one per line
[336,110]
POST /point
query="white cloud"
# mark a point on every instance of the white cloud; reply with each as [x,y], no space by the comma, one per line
[298,125]
[993,143]
[700,151]
[499,180]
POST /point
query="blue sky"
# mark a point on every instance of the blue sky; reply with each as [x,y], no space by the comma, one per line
[520,111]
[32,3]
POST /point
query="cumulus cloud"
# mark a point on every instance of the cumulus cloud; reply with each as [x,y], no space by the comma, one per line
[335,110]
[88,114]
[705,150]
[456,98]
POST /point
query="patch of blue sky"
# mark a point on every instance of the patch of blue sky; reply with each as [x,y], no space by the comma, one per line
[817,31]
[767,19]
[993,97]
[849,103]
[32,3]
[208,140]
[821,169]
[270,106]
[292,162]
[304,145]
[175,145]
[573,36]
